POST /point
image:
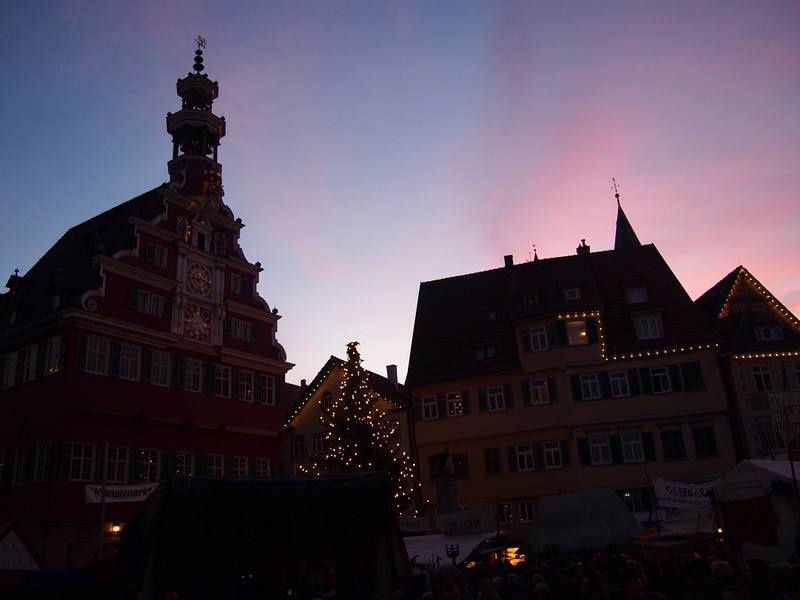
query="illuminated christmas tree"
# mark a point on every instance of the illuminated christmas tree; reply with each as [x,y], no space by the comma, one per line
[359,437]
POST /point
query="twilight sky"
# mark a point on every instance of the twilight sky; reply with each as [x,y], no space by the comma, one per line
[372,145]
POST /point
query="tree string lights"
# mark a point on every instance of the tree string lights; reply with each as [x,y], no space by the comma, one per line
[359,437]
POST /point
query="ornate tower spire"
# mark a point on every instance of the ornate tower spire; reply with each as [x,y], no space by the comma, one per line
[196,132]
[626,236]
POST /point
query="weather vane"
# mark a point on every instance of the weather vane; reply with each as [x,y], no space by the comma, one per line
[616,185]
[201,41]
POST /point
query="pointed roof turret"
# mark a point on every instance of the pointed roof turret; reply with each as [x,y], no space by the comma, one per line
[626,236]
[196,132]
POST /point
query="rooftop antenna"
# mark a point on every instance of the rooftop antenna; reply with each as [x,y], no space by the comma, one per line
[615,187]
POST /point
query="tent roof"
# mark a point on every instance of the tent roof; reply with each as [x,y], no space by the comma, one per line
[753,479]
[588,519]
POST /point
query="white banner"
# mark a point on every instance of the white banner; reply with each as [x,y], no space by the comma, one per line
[675,494]
[785,409]
[473,520]
[119,493]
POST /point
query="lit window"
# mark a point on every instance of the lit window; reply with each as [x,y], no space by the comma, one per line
[184,464]
[633,500]
[539,391]
[577,333]
[149,465]
[53,356]
[504,514]
[455,408]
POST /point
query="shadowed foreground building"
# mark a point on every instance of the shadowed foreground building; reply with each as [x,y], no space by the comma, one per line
[563,374]
[137,347]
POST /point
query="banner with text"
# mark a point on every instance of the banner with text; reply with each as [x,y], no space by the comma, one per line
[676,494]
[119,493]
[785,409]
[473,520]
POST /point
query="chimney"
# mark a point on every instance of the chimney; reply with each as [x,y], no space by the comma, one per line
[302,383]
[509,259]
[583,248]
[391,374]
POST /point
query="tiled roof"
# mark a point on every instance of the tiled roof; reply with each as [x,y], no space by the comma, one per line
[453,315]
[67,268]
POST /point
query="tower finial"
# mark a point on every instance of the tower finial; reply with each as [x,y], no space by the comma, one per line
[198,54]
[616,189]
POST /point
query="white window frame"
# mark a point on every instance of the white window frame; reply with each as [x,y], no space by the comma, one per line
[10,374]
[193,375]
[262,467]
[149,465]
[222,381]
[184,464]
[320,445]
[649,328]
[43,465]
[298,446]
[632,447]
[160,368]
[762,377]
[238,465]
[52,361]
[553,458]
[525,455]
[327,400]
[159,255]
[116,467]
[267,391]
[246,386]
[527,511]
[660,380]
[19,467]
[430,408]
[590,386]
[216,465]
[620,386]
[505,513]
[600,450]
[97,354]
[29,366]
[537,338]
[130,362]
[495,398]
[81,466]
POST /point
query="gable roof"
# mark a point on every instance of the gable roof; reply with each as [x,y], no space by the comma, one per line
[738,304]
[67,268]
[396,394]
[459,315]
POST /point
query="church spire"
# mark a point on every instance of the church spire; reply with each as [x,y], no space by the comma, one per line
[626,236]
[196,132]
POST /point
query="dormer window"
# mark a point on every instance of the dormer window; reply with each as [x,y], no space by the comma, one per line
[648,327]
[636,294]
[769,333]
[532,299]
[327,400]
[572,293]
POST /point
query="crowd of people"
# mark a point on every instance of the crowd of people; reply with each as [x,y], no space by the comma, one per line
[609,576]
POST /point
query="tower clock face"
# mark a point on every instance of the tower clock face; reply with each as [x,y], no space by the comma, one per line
[198,278]
[197,322]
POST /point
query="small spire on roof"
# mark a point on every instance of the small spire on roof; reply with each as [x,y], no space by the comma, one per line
[626,236]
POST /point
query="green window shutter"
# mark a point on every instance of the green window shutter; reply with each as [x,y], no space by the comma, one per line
[8,460]
[483,405]
[41,349]
[170,462]
[649,446]
[616,449]
[227,326]
[147,365]
[20,365]
[80,352]
[552,390]
[575,386]
[150,252]
[258,388]
[605,384]
[646,381]
[563,339]
[166,310]
[525,388]
[201,464]
[236,384]
[209,377]
[552,338]
[99,462]
[178,368]
[465,402]
[66,460]
[584,455]
[525,339]
[417,402]
[133,298]
[30,458]
[113,368]
[633,381]
[508,396]
[245,285]
[512,459]
[136,465]
[278,391]
[2,370]
[564,452]
[441,406]
[538,456]
[253,333]
[692,374]
[675,378]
